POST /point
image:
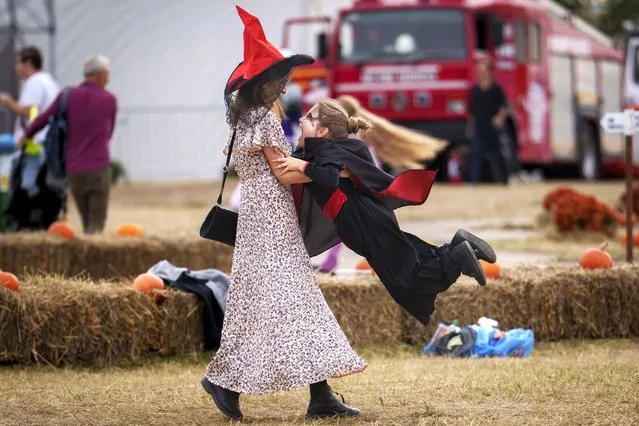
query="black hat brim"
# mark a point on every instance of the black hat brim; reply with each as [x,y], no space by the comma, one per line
[276,71]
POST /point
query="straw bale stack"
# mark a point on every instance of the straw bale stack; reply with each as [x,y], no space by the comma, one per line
[575,303]
[362,306]
[107,257]
[556,302]
[56,320]
[15,337]
[61,321]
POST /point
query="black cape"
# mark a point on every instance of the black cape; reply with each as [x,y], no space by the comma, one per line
[411,187]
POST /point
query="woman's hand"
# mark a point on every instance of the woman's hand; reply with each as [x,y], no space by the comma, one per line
[290,164]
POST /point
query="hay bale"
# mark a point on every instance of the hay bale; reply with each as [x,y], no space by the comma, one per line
[180,326]
[107,257]
[364,310]
[15,337]
[58,320]
[576,303]
[556,302]
[76,320]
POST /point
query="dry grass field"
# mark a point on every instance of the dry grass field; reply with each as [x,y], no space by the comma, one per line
[563,383]
[587,383]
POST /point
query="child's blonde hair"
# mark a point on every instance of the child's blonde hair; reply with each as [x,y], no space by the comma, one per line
[333,116]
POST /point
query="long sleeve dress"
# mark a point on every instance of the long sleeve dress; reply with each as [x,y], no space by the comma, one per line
[278,331]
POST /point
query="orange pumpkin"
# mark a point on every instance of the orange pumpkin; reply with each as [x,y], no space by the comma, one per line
[148,283]
[61,229]
[596,258]
[9,281]
[363,265]
[635,239]
[129,230]
[492,270]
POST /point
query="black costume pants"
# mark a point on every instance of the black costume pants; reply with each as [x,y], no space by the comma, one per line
[413,271]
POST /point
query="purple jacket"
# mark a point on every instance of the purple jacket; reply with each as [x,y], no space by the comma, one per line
[91,112]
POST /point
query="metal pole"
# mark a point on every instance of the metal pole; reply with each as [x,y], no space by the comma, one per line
[629,198]
[52,35]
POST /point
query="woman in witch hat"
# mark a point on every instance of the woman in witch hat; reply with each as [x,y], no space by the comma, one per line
[358,210]
[278,331]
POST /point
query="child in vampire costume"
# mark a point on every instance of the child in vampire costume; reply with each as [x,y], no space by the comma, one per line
[349,199]
[393,145]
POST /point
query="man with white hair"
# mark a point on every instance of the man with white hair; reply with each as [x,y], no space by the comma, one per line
[90,117]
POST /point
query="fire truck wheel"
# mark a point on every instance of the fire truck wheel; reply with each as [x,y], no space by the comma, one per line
[589,157]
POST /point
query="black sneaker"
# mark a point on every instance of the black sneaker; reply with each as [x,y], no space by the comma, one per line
[483,250]
[470,264]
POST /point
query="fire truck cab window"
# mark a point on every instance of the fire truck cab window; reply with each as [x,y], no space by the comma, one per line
[481,32]
[403,35]
[535,43]
[636,61]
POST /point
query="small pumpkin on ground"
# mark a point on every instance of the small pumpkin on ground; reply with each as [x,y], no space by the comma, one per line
[149,284]
[129,230]
[9,281]
[596,258]
[492,270]
[363,265]
[61,229]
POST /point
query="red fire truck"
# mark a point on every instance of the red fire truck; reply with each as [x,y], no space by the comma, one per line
[412,62]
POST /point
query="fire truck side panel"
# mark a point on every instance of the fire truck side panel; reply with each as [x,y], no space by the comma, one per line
[562,117]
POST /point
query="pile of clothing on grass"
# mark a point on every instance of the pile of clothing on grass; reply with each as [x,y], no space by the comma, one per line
[480,340]
[209,285]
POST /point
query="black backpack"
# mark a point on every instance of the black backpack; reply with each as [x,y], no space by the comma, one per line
[55,142]
[455,344]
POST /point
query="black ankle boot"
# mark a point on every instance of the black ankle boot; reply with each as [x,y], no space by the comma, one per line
[227,401]
[483,250]
[324,403]
[470,265]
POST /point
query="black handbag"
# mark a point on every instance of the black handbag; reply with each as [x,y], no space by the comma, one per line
[221,224]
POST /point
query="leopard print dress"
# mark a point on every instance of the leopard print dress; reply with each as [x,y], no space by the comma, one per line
[278,331]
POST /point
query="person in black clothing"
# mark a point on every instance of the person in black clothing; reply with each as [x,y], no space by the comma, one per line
[348,199]
[486,115]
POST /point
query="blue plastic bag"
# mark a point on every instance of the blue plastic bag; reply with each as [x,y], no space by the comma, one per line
[517,342]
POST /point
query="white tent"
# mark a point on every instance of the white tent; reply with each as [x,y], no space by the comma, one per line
[170,61]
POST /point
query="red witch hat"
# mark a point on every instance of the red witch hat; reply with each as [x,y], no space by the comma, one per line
[260,55]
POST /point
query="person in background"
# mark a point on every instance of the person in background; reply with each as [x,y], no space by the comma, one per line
[91,113]
[486,116]
[39,90]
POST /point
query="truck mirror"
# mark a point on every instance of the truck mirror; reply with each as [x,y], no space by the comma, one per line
[496,31]
[322,47]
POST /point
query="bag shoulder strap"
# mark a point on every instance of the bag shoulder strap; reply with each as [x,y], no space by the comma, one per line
[62,109]
[226,167]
